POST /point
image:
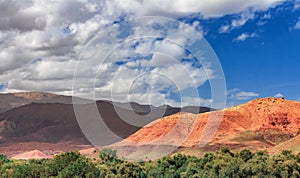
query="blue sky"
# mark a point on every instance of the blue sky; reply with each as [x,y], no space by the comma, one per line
[257,43]
[266,64]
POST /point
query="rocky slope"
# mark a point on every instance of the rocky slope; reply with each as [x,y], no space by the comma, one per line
[258,124]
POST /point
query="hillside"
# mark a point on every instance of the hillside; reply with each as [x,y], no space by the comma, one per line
[258,124]
[13,100]
[50,119]
[292,144]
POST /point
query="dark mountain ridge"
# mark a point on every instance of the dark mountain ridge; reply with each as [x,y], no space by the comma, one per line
[44,117]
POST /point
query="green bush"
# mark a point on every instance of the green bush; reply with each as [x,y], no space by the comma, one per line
[223,163]
[245,155]
[128,169]
[3,159]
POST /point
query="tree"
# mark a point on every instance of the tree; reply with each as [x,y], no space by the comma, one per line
[3,159]
[80,168]
[62,161]
[128,169]
[226,150]
[108,155]
[257,166]
[245,155]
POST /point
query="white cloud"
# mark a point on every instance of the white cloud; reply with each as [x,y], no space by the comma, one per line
[244,17]
[297,25]
[297,4]
[244,36]
[159,60]
[238,22]
[143,80]
[52,70]
[266,16]
[279,95]
[224,29]
[40,42]
[208,8]
[187,101]
[236,94]
[243,95]
[264,19]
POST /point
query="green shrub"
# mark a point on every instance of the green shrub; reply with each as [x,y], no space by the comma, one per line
[223,163]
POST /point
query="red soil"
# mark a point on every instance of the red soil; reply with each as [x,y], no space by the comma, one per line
[35,154]
[11,150]
[259,115]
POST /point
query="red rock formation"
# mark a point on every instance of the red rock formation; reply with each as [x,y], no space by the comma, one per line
[258,115]
[35,154]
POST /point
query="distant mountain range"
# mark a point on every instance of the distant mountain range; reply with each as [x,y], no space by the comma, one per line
[45,118]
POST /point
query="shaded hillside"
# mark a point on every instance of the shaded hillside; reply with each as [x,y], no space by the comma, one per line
[51,123]
[14,100]
[292,144]
[56,122]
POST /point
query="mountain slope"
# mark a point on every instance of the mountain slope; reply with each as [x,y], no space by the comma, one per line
[292,144]
[259,124]
[52,119]
[14,100]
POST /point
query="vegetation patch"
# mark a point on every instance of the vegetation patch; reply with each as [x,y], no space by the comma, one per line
[223,163]
[276,137]
[248,136]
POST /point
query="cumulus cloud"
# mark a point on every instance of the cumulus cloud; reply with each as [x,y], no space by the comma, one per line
[244,36]
[236,23]
[297,25]
[224,29]
[143,70]
[22,16]
[279,95]
[41,41]
[264,19]
[243,95]
[207,8]
[297,4]
[236,94]
[242,19]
